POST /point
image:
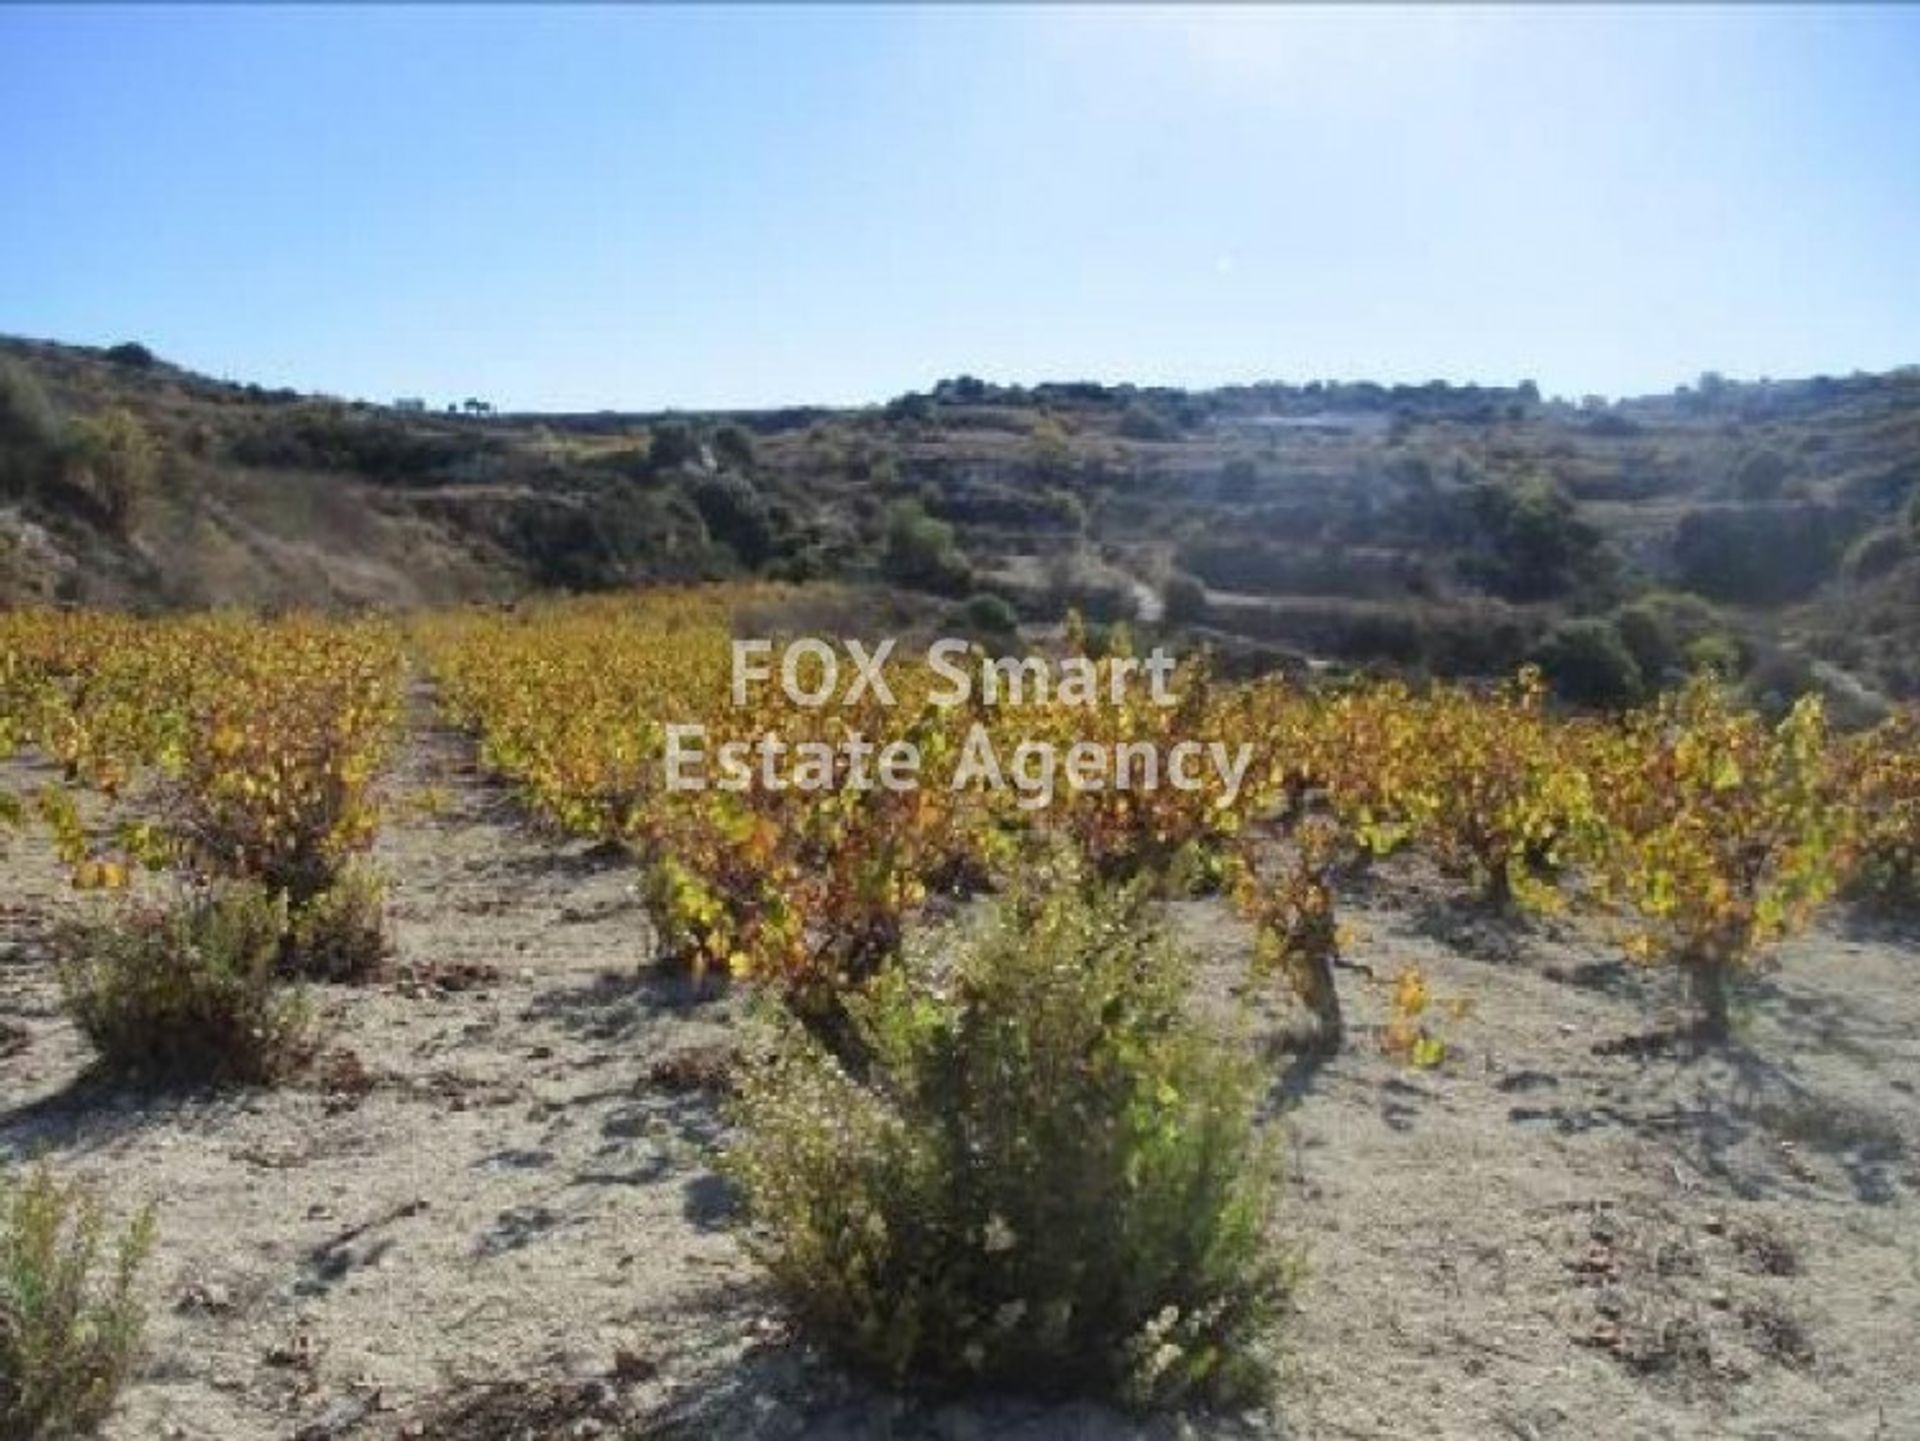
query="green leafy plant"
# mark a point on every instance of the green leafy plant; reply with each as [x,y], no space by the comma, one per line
[118,458]
[1044,1176]
[70,1321]
[989,613]
[340,934]
[919,551]
[188,992]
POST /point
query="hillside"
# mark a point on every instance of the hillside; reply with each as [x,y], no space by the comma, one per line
[1769,527]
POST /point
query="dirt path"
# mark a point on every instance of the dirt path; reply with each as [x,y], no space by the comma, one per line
[495,1204]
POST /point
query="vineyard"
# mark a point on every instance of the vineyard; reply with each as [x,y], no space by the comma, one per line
[235,851]
[1704,831]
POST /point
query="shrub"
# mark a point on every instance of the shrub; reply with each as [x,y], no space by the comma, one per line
[737,516]
[132,354]
[1777,678]
[1717,654]
[340,934]
[1529,541]
[1023,508]
[1612,424]
[30,435]
[1589,664]
[118,458]
[1659,628]
[989,613]
[1047,1179]
[909,410]
[1143,422]
[1650,637]
[672,445]
[1759,554]
[326,435]
[69,1335]
[1761,475]
[26,415]
[733,445]
[920,552]
[1476,638]
[1050,448]
[187,992]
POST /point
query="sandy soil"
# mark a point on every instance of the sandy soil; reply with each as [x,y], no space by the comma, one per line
[492,1213]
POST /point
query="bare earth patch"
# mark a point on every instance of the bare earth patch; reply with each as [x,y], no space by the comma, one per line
[490,1211]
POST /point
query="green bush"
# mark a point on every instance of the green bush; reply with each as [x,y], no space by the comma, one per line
[69,1335]
[132,354]
[733,445]
[1717,654]
[920,552]
[340,934]
[1142,422]
[327,435]
[1034,509]
[737,516]
[1050,449]
[1529,541]
[1759,554]
[187,992]
[990,614]
[1668,633]
[1485,638]
[26,415]
[116,458]
[1777,678]
[1762,475]
[30,430]
[1046,1178]
[671,445]
[1589,664]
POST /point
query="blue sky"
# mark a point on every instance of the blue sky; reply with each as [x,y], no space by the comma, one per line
[633,208]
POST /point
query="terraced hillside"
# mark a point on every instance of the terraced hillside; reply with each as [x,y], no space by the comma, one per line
[1769,528]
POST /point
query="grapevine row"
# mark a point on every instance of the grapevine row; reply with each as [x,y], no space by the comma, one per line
[1701,829]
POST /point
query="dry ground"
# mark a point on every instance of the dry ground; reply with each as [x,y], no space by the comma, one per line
[493,1214]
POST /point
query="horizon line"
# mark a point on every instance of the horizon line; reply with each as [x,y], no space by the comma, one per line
[443,406]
